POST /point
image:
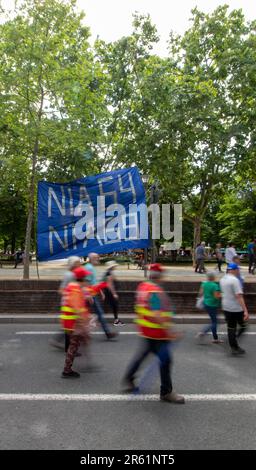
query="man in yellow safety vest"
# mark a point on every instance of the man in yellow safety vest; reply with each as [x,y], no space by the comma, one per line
[154,324]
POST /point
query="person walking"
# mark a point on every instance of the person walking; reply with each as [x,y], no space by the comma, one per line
[111,296]
[91,267]
[240,277]
[75,318]
[154,325]
[251,248]
[230,252]
[234,307]
[219,257]
[196,259]
[210,291]
[200,258]
[18,257]
[61,340]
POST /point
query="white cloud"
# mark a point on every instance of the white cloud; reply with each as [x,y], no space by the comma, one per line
[112,19]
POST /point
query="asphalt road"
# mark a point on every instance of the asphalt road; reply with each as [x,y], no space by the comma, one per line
[89,413]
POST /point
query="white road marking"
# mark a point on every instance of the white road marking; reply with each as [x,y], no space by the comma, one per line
[121,397]
[56,332]
[253,333]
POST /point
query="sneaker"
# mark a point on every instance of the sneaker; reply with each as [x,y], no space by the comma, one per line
[111,335]
[200,337]
[217,341]
[70,375]
[118,323]
[237,351]
[173,398]
[128,386]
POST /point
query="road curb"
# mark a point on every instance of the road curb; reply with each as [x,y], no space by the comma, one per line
[129,318]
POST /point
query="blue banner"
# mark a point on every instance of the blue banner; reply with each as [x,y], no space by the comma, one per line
[103,213]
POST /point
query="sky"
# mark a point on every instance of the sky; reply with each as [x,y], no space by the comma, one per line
[112,19]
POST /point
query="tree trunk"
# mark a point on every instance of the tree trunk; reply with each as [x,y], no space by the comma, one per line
[30,210]
[197,236]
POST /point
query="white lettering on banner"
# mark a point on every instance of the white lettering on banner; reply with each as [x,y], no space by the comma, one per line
[63,243]
[71,203]
[61,206]
[108,193]
[84,196]
[130,189]
[74,237]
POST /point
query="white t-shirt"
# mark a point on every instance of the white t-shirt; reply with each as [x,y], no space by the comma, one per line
[229,254]
[230,286]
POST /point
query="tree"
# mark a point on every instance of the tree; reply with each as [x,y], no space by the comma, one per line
[237,213]
[49,94]
[180,124]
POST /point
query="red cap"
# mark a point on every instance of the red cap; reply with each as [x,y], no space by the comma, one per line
[80,273]
[156,267]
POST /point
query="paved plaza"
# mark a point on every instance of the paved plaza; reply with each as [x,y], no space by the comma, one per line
[56,269]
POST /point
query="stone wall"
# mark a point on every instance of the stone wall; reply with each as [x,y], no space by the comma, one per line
[42,296]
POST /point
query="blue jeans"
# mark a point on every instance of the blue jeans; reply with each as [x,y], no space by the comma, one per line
[212,312]
[100,314]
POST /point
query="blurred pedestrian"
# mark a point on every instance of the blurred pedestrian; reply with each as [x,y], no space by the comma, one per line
[93,261]
[60,340]
[210,291]
[237,260]
[111,296]
[219,256]
[76,316]
[155,328]
[251,248]
[230,253]
[200,258]
[234,307]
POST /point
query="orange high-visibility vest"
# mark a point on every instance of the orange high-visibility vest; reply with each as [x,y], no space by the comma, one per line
[72,311]
[73,306]
[153,324]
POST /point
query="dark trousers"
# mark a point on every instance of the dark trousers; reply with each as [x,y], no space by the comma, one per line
[212,312]
[201,267]
[112,301]
[251,262]
[67,341]
[219,263]
[161,350]
[233,319]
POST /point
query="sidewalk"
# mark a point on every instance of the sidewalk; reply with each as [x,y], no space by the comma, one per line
[55,270]
[126,318]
